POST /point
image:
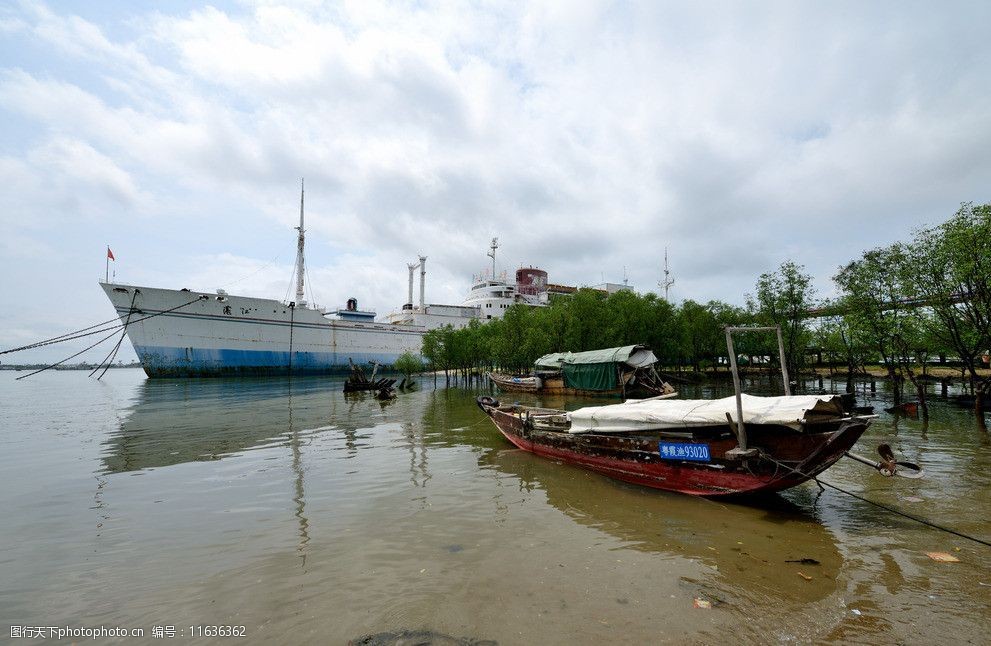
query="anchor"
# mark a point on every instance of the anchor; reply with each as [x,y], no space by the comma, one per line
[888,466]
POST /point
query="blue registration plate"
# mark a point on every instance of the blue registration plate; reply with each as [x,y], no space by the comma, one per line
[684,451]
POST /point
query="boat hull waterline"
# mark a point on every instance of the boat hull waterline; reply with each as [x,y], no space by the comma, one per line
[178,333]
[786,457]
[554,386]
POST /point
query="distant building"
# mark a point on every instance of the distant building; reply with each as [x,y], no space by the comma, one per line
[612,288]
[560,290]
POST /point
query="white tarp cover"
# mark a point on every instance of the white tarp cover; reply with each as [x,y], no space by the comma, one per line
[635,356]
[649,414]
[641,358]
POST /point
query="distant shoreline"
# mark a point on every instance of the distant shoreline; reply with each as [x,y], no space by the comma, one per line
[73,366]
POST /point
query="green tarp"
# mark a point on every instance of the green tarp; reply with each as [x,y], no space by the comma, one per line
[590,376]
[596,369]
[556,360]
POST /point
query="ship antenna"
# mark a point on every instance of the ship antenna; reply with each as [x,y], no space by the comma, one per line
[491,254]
[300,302]
[668,281]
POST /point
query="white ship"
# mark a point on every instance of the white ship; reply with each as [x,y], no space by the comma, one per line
[488,298]
[180,333]
[493,294]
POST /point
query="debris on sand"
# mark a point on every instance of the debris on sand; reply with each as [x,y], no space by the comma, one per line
[418,638]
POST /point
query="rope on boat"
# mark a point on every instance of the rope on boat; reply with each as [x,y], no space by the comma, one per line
[115,329]
[823,483]
[78,334]
[901,513]
[109,359]
[201,297]
[292,316]
[68,336]
[465,428]
[67,358]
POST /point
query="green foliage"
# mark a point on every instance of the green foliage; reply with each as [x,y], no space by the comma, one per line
[430,347]
[584,329]
[933,294]
[898,303]
[784,298]
[407,364]
[590,320]
[841,341]
[699,333]
[878,311]
[950,270]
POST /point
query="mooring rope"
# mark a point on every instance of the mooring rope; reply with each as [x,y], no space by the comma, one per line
[115,329]
[898,512]
[902,513]
[67,336]
[76,334]
[67,358]
[171,309]
[109,359]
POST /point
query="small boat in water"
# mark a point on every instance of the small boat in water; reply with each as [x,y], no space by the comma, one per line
[610,372]
[700,447]
[514,384]
[690,446]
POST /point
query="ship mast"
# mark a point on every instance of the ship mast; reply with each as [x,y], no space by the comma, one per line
[300,267]
[491,254]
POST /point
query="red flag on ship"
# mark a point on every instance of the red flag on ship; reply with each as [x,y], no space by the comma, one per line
[110,255]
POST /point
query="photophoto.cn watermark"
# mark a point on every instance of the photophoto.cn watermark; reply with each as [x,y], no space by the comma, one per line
[157,632]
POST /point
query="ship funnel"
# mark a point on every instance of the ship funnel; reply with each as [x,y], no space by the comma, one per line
[423,278]
[409,296]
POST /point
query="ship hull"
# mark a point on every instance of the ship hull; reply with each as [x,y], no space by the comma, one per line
[179,333]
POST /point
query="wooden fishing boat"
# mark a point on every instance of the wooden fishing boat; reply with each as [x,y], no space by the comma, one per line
[610,372]
[514,384]
[699,447]
[554,384]
[688,446]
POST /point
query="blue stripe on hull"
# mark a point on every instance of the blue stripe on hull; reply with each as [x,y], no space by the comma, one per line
[199,362]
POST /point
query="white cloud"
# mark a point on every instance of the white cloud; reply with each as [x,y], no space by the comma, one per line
[588,136]
[85,169]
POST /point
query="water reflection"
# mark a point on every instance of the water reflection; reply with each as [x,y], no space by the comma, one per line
[174,422]
[758,550]
[298,486]
[414,440]
[177,421]
[313,514]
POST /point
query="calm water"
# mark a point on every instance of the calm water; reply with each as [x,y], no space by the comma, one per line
[305,516]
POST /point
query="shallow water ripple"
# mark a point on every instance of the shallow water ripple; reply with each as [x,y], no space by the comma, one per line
[308,516]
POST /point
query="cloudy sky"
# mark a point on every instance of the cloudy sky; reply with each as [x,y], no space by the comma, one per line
[587,136]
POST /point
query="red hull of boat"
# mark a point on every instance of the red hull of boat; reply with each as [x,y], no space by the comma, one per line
[805,454]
